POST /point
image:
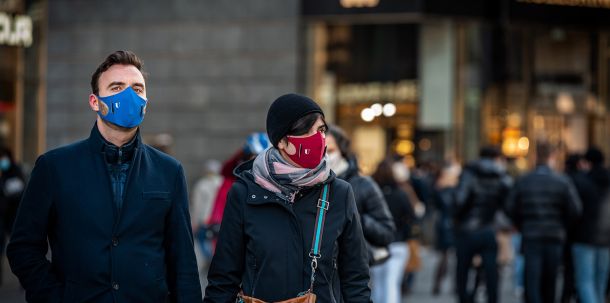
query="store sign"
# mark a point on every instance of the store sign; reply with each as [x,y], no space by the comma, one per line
[584,3]
[359,3]
[15,31]
[401,91]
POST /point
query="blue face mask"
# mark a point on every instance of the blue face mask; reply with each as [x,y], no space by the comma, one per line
[125,109]
[5,164]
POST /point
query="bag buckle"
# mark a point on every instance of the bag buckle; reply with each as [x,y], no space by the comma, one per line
[323,205]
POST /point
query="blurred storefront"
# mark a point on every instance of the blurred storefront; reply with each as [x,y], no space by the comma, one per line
[462,74]
[22,67]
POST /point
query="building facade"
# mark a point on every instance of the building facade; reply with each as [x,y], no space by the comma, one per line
[429,80]
[509,73]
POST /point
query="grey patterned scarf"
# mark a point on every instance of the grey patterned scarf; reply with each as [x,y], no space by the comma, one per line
[272,172]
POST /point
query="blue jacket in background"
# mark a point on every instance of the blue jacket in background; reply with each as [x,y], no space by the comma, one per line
[140,253]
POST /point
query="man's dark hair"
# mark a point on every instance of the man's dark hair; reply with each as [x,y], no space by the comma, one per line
[121,57]
[489,152]
[595,156]
[343,141]
[544,151]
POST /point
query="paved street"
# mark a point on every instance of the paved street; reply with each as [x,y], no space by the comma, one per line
[10,293]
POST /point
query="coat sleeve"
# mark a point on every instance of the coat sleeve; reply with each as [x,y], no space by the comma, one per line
[512,206]
[28,247]
[226,270]
[377,223]
[182,272]
[353,257]
[574,204]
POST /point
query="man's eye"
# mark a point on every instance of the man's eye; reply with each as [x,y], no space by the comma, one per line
[115,88]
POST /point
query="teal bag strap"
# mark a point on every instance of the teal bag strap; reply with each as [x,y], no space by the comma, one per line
[314,254]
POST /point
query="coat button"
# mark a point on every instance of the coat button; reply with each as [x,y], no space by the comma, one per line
[265,197]
[115,286]
[253,196]
[115,241]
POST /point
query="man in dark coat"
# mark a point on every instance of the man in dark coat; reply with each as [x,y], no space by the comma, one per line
[114,210]
[543,205]
[481,192]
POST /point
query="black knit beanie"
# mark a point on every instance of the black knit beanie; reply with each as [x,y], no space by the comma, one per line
[285,111]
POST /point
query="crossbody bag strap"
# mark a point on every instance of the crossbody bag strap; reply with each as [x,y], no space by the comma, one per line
[314,254]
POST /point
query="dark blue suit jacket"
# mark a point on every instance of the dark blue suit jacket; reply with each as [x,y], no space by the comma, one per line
[142,253]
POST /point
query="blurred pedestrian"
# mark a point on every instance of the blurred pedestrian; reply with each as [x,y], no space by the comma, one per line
[114,210]
[12,184]
[591,248]
[255,144]
[267,248]
[377,223]
[444,201]
[481,192]
[202,198]
[387,277]
[409,183]
[576,168]
[543,206]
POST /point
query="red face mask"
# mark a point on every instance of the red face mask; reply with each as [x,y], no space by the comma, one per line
[310,150]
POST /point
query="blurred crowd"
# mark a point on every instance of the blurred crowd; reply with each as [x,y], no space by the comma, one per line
[550,226]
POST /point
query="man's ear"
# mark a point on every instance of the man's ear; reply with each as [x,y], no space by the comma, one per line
[94,103]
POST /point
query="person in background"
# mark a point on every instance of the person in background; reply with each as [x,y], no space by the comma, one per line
[443,198]
[409,184]
[267,250]
[590,250]
[202,198]
[377,223]
[576,168]
[387,277]
[543,205]
[255,144]
[12,184]
[481,192]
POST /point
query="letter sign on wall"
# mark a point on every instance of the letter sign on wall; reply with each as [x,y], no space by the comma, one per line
[15,31]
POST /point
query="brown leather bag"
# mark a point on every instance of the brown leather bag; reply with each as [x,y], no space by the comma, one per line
[307,298]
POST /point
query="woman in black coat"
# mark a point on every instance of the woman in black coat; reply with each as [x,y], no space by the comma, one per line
[387,277]
[377,223]
[266,237]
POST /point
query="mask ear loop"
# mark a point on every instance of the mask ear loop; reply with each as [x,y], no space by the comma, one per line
[142,110]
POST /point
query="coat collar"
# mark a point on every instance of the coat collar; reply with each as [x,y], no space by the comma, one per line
[97,143]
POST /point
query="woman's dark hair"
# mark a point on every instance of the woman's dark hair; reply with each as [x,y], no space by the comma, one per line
[304,124]
[343,141]
[5,151]
[384,175]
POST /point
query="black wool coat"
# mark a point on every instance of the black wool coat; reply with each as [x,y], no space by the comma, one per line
[264,246]
[141,253]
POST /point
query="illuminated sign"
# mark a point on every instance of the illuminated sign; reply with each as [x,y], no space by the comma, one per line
[359,3]
[586,3]
[401,91]
[15,31]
